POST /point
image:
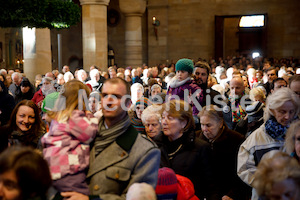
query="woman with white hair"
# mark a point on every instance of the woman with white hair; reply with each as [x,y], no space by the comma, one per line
[137,91]
[151,119]
[68,76]
[282,108]
[47,88]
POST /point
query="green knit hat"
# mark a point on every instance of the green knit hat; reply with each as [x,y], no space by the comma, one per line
[49,101]
[185,64]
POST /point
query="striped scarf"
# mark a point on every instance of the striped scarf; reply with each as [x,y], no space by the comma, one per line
[105,137]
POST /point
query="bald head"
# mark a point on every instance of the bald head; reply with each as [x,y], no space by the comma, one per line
[237,86]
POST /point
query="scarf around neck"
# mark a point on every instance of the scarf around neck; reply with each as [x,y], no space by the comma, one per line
[174,83]
[274,129]
[105,137]
[238,112]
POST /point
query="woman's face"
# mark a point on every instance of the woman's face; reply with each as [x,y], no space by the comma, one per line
[25,118]
[285,113]
[139,110]
[210,127]
[25,89]
[9,189]
[172,127]
[152,126]
[297,143]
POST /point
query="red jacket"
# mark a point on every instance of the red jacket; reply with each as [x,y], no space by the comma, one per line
[38,98]
[186,189]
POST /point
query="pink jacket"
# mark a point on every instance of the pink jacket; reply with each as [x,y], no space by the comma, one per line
[66,145]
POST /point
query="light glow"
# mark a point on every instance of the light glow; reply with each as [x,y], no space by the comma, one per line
[252,21]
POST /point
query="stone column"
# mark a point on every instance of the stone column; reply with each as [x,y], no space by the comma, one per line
[133,10]
[94,33]
[37,52]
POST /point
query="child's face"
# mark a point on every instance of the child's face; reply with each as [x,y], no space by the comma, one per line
[46,118]
[182,75]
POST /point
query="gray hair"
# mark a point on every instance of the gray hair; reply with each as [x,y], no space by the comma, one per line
[155,86]
[278,98]
[48,79]
[151,111]
[16,74]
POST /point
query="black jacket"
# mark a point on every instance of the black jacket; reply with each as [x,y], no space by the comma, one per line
[7,104]
[224,151]
[192,160]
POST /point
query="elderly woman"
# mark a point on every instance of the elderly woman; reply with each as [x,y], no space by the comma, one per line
[225,144]
[182,151]
[24,174]
[151,119]
[47,88]
[292,141]
[282,108]
[278,177]
[25,126]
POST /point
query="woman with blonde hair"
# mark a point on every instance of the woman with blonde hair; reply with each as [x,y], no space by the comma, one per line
[278,177]
[282,108]
[66,145]
[292,140]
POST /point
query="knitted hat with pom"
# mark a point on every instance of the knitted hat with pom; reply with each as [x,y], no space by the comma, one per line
[166,187]
[185,64]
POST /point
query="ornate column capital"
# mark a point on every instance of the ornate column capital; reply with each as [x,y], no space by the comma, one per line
[94,2]
[132,7]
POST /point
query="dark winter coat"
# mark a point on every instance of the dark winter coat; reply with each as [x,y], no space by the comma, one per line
[192,160]
[224,151]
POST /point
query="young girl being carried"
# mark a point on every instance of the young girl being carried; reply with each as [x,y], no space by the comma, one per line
[183,87]
[66,145]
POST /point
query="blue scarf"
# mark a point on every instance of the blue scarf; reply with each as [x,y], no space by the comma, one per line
[275,130]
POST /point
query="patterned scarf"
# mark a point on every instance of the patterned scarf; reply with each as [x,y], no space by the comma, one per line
[238,112]
[105,137]
[275,130]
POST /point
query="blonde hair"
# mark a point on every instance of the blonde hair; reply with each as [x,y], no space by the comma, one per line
[290,137]
[181,110]
[254,92]
[69,97]
[278,98]
[275,169]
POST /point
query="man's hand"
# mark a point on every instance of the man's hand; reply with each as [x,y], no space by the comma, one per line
[74,196]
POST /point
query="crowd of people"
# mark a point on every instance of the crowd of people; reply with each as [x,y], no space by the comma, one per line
[201,129]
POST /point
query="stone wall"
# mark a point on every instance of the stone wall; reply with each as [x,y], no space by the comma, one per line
[187,27]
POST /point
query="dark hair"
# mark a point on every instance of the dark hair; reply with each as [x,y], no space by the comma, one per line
[25,83]
[276,80]
[272,68]
[38,125]
[31,170]
[203,65]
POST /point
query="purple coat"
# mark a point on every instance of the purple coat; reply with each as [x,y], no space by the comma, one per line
[185,92]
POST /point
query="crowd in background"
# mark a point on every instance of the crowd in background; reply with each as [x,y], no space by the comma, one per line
[218,125]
